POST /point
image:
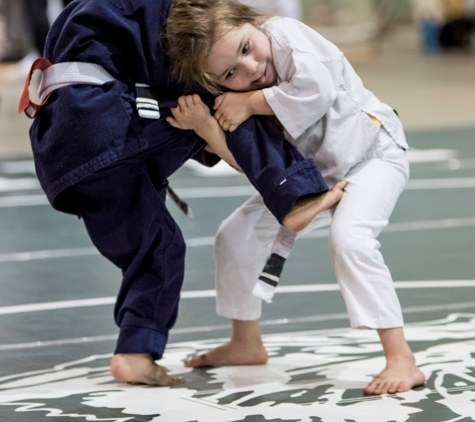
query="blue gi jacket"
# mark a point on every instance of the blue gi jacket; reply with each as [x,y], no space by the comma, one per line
[83,128]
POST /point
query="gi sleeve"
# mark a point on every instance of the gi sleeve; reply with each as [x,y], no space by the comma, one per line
[273,166]
[308,81]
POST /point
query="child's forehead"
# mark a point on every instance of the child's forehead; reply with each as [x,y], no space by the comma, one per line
[229,32]
[227,42]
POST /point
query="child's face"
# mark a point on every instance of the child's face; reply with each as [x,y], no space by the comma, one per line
[241,60]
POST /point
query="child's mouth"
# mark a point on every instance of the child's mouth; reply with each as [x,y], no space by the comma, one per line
[263,78]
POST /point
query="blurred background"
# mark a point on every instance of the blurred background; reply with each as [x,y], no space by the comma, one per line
[416,55]
[57,293]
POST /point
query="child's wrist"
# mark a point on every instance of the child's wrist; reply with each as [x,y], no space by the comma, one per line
[251,106]
[205,127]
[256,99]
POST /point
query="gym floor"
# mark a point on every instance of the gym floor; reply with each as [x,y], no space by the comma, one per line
[57,294]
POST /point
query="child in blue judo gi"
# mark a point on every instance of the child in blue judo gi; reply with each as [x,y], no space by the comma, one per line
[103,150]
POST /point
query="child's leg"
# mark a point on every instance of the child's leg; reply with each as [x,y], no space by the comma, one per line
[240,251]
[242,244]
[366,283]
[401,372]
[285,238]
[126,218]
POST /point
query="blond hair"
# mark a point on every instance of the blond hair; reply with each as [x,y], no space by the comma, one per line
[192,29]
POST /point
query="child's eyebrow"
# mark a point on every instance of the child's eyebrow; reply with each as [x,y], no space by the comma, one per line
[238,52]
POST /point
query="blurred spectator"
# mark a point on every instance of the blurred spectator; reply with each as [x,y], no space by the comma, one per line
[36,19]
[444,23]
[429,15]
[12,40]
[471,9]
[289,8]
[36,16]
[457,26]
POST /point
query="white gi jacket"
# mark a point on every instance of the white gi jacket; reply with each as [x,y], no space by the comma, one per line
[321,101]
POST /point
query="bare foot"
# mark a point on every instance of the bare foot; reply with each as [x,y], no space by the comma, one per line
[140,369]
[230,354]
[397,377]
[305,209]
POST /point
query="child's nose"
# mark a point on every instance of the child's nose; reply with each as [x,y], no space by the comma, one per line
[250,66]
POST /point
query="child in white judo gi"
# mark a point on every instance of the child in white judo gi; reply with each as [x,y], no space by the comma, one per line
[287,70]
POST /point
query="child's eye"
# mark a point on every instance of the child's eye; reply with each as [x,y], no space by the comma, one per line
[230,73]
[245,49]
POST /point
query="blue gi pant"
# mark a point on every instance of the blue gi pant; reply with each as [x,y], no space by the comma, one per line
[123,208]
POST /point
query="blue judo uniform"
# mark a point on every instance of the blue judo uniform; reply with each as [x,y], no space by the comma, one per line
[97,158]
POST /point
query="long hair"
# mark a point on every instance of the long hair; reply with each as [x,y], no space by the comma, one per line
[192,29]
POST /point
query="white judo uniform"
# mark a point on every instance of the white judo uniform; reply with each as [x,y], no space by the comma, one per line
[351,135]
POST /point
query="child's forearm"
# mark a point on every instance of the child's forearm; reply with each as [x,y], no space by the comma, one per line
[259,105]
[214,136]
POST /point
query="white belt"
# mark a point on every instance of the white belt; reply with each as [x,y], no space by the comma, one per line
[62,74]
[58,75]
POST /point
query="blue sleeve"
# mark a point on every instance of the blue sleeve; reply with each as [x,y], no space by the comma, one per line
[273,165]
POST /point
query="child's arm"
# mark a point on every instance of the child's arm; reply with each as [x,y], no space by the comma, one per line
[193,114]
[233,108]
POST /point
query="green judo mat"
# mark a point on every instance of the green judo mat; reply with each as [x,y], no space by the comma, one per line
[58,294]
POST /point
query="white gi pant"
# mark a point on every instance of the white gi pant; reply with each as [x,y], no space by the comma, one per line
[244,240]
